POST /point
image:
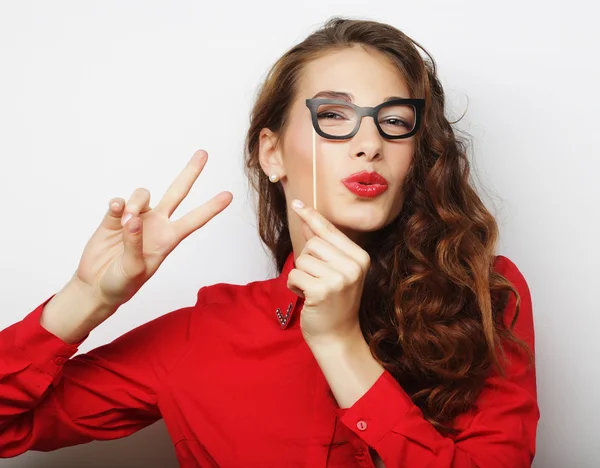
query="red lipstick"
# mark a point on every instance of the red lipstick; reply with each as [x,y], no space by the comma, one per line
[366,184]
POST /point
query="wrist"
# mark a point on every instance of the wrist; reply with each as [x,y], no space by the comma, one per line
[347,364]
[347,342]
[74,312]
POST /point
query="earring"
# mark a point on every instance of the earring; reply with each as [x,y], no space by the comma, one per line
[273,177]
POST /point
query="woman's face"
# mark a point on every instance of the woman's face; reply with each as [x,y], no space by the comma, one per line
[369,77]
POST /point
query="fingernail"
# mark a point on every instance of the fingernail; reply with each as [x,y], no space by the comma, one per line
[126,218]
[297,204]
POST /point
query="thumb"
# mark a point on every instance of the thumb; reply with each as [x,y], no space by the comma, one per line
[133,258]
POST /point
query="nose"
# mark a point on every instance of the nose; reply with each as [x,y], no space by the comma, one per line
[367,142]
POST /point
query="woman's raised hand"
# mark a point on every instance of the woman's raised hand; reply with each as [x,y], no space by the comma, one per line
[133,239]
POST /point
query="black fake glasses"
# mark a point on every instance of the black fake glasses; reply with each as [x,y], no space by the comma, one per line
[336,119]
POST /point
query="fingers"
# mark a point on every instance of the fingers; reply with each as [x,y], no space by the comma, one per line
[313,266]
[112,218]
[322,259]
[138,203]
[297,291]
[324,229]
[133,261]
[182,184]
[119,211]
[198,217]
[300,281]
[307,232]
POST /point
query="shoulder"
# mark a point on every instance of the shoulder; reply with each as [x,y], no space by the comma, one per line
[176,329]
[524,323]
[224,303]
[507,268]
[224,294]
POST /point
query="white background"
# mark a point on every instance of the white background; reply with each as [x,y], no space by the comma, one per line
[100,97]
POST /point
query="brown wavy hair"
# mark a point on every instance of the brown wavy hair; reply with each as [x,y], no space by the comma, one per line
[432,305]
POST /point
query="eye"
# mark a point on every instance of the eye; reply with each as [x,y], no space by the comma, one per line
[396,122]
[328,115]
[335,112]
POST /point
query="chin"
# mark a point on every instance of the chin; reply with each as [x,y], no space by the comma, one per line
[359,222]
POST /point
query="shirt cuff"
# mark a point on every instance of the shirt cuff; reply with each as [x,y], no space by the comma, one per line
[378,411]
[45,350]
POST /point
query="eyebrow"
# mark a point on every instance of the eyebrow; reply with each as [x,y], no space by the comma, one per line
[347,96]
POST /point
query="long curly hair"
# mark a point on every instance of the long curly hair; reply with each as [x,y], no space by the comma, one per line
[432,306]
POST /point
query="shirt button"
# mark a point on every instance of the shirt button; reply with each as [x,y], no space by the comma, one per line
[59,361]
[362,425]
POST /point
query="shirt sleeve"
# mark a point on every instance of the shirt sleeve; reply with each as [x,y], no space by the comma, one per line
[502,431]
[50,399]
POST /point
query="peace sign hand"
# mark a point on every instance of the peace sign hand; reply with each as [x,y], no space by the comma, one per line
[133,239]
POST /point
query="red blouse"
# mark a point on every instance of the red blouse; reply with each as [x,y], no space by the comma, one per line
[236,388]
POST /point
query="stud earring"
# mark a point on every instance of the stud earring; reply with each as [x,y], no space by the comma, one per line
[273,177]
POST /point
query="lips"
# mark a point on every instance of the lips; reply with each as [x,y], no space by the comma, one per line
[366,178]
[366,184]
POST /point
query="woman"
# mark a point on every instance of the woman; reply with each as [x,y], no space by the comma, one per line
[392,336]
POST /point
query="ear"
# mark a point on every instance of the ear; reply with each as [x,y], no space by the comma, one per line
[270,154]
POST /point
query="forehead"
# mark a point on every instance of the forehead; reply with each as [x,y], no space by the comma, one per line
[369,76]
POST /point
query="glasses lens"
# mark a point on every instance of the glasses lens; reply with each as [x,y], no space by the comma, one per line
[397,119]
[340,120]
[336,119]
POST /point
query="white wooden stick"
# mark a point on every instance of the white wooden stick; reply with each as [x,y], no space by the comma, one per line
[314,169]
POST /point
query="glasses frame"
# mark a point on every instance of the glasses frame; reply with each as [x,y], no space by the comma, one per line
[314,103]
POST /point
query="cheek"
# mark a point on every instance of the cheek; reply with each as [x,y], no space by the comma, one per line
[400,169]
[402,162]
[298,158]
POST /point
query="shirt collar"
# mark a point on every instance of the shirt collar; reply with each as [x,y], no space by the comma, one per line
[283,302]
